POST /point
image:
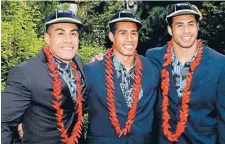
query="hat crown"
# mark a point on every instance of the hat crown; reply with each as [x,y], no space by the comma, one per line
[123,13]
[60,16]
[124,16]
[183,9]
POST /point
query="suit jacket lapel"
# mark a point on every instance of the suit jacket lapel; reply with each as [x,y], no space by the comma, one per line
[65,90]
[145,86]
[117,92]
[200,71]
[43,58]
[79,64]
[173,95]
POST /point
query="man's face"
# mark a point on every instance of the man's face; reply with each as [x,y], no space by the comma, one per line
[125,39]
[63,40]
[184,31]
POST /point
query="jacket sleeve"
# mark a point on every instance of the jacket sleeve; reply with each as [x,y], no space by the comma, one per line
[86,94]
[150,55]
[156,121]
[221,108]
[15,100]
[80,65]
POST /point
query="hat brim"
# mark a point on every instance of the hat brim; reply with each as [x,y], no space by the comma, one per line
[183,12]
[125,20]
[64,20]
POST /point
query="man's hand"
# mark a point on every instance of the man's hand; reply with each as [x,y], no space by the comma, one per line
[97,57]
[20,130]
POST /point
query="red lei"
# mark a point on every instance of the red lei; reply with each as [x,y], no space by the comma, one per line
[56,103]
[165,85]
[111,98]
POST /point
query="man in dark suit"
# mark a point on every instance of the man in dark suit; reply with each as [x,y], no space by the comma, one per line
[45,92]
[191,109]
[122,88]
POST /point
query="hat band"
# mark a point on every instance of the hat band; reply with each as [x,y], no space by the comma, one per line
[187,10]
[63,20]
[124,18]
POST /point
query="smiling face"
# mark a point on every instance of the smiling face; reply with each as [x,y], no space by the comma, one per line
[63,40]
[125,39]
[184,31]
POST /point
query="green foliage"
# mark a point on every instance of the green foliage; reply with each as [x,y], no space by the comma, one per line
[85,123]
[87,50]
[95,15]
[212,28]
[19,39]
[43,8]
[154,25]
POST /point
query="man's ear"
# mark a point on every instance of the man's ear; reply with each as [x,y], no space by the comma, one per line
[47,38]
[169,29]
[111,37]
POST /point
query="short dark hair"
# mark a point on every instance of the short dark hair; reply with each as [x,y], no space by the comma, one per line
[112,27]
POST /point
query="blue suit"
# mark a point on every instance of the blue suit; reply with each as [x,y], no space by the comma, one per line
[206,120]
[100,130]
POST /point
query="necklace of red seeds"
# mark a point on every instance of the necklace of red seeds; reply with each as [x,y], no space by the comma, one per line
[111,98]
[165,85]
[56,103]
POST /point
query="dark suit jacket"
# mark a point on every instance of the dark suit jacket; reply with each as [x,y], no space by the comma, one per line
[206,120]
[27,98]
[100,130]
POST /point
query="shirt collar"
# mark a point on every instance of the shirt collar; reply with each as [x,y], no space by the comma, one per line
[119,66]
[61,64]
[174,59]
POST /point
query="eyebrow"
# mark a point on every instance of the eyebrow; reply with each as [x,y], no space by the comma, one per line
[191,21]
[74,30]
[183,23]
[124,30]
[60,29]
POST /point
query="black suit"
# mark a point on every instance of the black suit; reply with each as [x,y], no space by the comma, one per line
[27,98]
